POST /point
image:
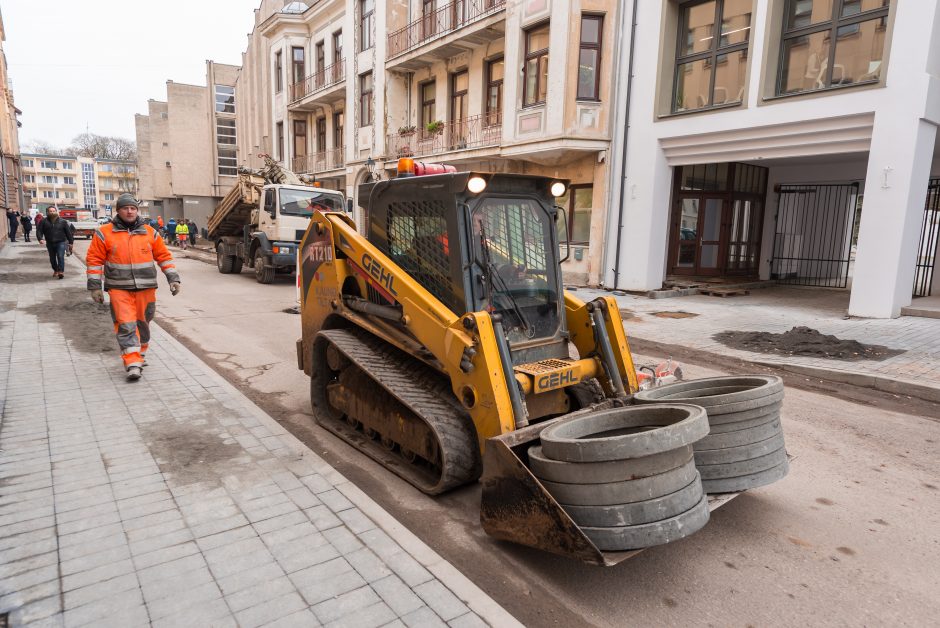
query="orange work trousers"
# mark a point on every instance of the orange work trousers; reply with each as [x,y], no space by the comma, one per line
[132,311]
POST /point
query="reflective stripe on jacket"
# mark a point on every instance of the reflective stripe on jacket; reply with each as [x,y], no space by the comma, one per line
[125,257]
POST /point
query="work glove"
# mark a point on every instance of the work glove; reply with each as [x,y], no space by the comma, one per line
[175,288]
[97,296]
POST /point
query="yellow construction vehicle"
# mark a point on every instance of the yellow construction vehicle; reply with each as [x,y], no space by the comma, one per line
[440,341]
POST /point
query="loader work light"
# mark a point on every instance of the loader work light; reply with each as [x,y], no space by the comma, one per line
[476,185]
[558,189]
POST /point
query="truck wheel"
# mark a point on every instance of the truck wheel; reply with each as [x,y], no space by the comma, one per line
[226,263]
[262,273]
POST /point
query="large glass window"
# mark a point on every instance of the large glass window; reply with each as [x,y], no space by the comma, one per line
[428,103]
[578,201]
[365,99]
[228,162]
[495,70]
[535,70]
[366,15]
[304,202]
[280,141]
[278,72]
[224,99]
[298,71]
[225,138]
[711,56]
[831,43]
[338,129]
[337,46]
[225,131]
[321,134]
[589,57]
[300,138]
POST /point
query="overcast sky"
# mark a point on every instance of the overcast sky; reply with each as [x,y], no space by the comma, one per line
[95,63]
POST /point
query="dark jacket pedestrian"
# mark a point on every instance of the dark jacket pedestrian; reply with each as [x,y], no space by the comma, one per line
[27,223]
[193,232]
[57,233]
[14,219]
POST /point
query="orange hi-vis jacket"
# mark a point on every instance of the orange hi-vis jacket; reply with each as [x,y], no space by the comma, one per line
[124,257]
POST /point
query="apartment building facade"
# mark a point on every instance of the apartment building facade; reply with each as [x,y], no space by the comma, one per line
[349,86]
[76,182]
[187,146]
[11,191]
[793,140]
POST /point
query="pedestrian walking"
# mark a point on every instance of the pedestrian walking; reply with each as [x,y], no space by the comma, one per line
[182,233]
[27,223]
[193,232]
[171,231]
[122,253]
[56,232]
[38,219]
[14,219]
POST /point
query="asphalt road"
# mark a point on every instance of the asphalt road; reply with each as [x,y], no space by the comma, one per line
[850,537]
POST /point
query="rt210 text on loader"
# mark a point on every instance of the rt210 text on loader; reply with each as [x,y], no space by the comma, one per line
[440,342]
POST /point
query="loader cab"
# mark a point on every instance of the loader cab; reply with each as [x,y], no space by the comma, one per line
[478,242]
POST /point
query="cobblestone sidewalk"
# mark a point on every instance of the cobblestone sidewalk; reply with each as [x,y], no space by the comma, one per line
[777,310]
[175,501]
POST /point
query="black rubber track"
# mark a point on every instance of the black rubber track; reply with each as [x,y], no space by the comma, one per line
[603,472]
[636,513]
[622,433]
[423,391]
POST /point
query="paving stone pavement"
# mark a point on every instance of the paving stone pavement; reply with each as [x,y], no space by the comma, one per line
[778,309]
[175,501]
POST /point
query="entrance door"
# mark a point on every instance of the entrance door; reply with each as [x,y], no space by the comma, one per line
[699,228]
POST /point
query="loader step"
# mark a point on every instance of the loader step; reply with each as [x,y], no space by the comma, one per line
[430,441]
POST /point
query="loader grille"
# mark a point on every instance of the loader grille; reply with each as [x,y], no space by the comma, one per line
[418,242]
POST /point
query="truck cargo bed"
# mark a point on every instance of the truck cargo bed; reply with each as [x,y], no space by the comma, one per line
[234,212]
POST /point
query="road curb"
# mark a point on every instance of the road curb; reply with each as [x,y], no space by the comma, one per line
[461,586]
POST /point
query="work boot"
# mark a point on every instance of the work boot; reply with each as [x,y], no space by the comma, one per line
[133,373]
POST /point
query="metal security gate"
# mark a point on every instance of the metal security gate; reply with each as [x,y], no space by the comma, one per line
[813,239]
[929,235]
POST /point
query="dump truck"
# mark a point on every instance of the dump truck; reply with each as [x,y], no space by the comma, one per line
[263,217]
[82,221]
[440,341]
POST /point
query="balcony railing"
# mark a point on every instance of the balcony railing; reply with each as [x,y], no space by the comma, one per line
[327,77]
[320,162]
[444,20]
[473,132]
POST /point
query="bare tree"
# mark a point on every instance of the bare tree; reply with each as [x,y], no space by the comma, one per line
[41,147]
[104,147]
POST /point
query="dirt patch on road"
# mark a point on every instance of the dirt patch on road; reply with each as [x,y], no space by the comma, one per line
[804,341]
[188,454]
[679,314]
[85,323]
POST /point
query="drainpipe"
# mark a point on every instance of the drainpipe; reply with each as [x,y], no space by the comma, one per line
[626,134]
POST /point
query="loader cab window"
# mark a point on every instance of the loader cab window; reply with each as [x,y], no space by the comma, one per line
[304,202]
[513,251]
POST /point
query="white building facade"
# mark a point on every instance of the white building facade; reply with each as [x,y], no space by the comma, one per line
[793,140]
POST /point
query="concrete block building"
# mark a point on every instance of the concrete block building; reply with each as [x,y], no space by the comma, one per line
[187,146]
[346,87]
[793,140]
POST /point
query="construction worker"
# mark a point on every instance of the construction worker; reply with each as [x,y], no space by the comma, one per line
[182,233]
[122,252]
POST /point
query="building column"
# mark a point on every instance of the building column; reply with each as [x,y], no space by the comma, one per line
[892,214]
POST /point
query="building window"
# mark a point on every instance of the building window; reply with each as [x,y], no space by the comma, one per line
[321,134]
[338,129]
[365,99]
[27,163]
[710,69]
[535,70]
[50,194]
[320,62]
[104,167]
[224,99]
[68,165]
[300,138]
[225,141]
[225,131]
[49,179]
[495,70]
[280,141]
[278,72]
[29,178]
[579,201]
[228,161]
[366,15]
[428,106]
[297,65]
[808,58]
[49,165]
[589,58]
[337,46]
[459,102]
[32,193]
[69,194]
[68,180]
[109,197]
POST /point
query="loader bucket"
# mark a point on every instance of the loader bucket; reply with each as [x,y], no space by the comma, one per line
[516,507]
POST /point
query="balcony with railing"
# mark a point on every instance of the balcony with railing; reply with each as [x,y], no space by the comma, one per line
[324,161]
[471,133]
[456,27]
[320,87]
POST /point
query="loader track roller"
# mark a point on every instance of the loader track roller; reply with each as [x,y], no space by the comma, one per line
[397,411]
